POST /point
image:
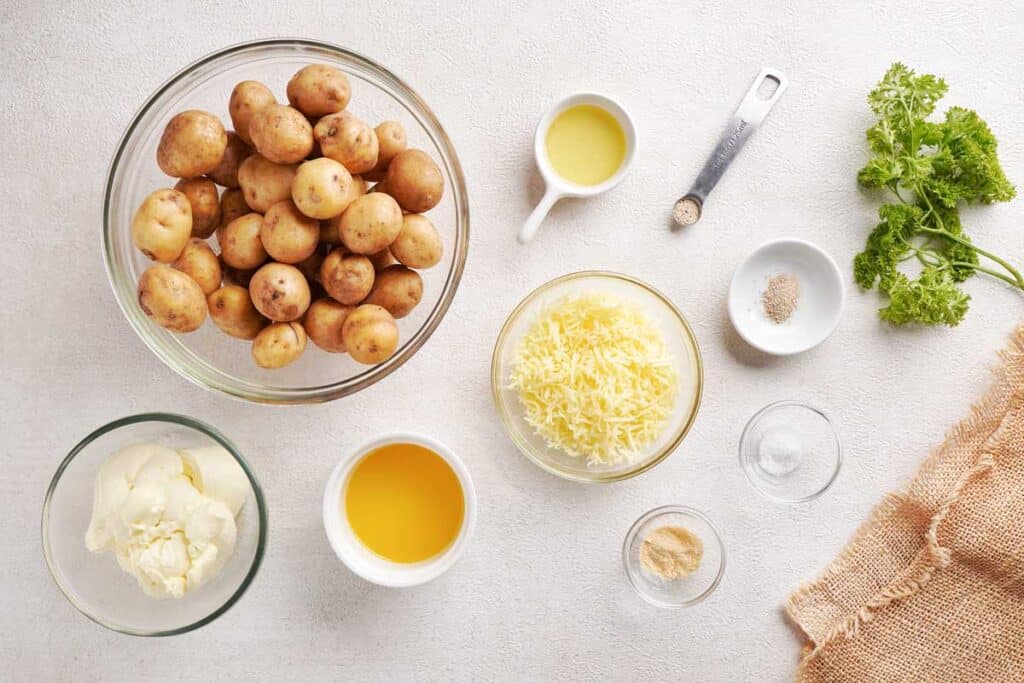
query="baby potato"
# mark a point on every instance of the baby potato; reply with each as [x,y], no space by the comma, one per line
[200,263]
[359,185]
[280,292]
[310,266]
[329,231]
[381,260]
[370,334]
[370,223]
[193,143]
[265,183]
[226,172]
[247,98]
[418,245]
[281,134]
[240,244]
[322,188]
[232,311]
[323,323]
[397,289]
[329,228]
[347,140]
[287,234]
[202,197]
[391,140]
[172,299]
[162,225]
[278,344]
[347,278]
[236,276]
[415,181]
[319,89]
[232,205]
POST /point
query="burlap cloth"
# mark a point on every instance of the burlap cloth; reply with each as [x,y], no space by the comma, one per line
[931,587]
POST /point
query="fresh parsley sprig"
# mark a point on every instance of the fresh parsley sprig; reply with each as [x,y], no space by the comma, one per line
[929,167]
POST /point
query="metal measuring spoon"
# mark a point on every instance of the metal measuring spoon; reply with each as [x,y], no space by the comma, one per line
[744,122]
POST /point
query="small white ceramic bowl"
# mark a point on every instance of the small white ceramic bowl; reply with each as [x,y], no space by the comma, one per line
[819,307]
[364,562]
[558,187]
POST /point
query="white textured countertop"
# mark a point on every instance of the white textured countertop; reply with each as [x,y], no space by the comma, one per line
[541,593]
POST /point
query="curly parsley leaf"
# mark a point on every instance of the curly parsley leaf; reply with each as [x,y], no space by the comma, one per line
[932,299]
[967,160]
[889,243]
[901,94]
[930,167]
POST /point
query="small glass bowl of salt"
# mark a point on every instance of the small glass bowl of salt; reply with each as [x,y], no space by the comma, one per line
[790,452]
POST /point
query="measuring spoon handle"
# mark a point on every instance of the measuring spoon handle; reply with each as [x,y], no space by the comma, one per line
[742,125]
[533,222]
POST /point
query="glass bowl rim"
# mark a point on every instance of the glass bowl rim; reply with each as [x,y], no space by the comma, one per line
[657,512]
[835,435]
[506,418]
[181,421]
[223,382]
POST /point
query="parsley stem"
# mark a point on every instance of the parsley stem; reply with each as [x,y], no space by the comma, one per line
[987,271]
[1017,281]
[895,189]
[920,254]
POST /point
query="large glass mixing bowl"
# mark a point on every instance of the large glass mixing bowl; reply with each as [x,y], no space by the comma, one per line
[208,357]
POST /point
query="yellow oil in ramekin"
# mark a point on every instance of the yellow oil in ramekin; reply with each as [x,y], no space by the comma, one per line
[585,144]
[404,502]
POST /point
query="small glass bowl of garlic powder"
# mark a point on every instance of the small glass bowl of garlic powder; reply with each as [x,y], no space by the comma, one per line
[154,525]
[597,376]
[673,556]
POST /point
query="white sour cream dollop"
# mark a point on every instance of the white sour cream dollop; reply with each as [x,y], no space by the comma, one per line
[168,515]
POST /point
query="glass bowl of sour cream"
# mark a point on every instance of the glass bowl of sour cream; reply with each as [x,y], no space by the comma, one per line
[154,525]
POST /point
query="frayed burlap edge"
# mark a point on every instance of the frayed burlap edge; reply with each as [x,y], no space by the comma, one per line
[985,418]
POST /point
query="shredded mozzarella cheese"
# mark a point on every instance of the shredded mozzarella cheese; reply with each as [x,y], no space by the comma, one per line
[595,378]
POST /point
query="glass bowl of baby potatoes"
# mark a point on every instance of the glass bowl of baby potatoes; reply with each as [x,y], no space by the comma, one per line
[285,221]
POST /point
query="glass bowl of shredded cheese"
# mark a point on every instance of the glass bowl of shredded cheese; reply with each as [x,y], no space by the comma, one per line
[597,376]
